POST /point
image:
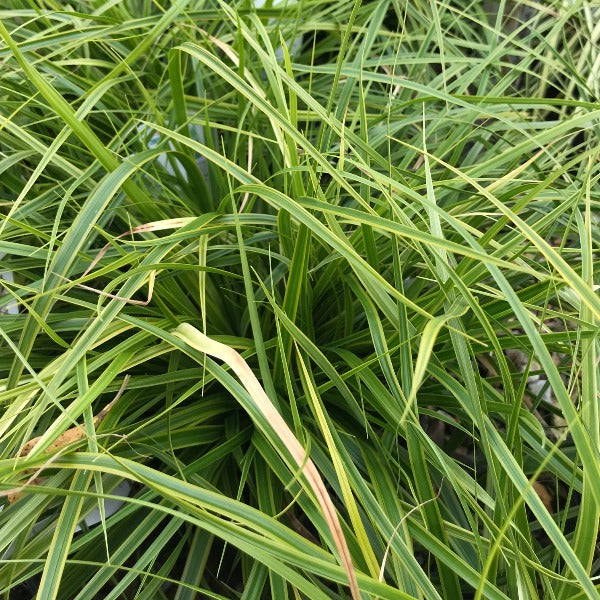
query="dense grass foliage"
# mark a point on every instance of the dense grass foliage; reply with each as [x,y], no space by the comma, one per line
[389,209]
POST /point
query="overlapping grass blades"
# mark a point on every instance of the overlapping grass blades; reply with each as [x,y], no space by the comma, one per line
[378,205]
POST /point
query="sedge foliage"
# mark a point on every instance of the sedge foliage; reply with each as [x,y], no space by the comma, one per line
[377,204]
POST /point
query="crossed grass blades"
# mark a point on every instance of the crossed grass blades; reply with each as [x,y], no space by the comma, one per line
[387,211]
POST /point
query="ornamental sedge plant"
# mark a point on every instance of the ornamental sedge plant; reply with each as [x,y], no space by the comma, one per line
[299,300]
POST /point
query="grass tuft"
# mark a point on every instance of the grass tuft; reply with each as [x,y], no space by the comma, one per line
[299,300]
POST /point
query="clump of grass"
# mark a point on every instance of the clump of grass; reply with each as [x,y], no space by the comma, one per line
[388,210]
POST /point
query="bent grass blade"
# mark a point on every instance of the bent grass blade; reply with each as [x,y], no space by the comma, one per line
[191,336]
